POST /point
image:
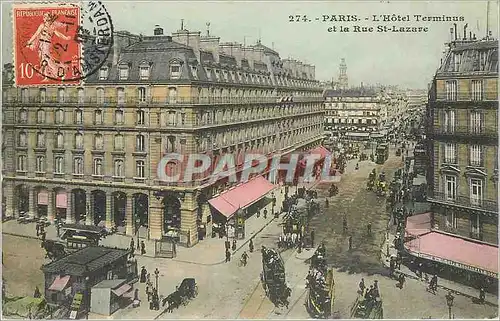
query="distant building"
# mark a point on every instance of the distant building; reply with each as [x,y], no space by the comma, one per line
[343,82]
[463,140]
[352,112]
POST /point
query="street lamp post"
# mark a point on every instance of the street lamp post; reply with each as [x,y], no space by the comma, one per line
[157,274]
[137,226]
[449,301]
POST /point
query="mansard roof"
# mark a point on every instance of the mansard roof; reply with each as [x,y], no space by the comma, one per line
[470,57]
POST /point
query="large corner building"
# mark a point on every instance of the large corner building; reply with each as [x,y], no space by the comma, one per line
[463,137]
[90,154]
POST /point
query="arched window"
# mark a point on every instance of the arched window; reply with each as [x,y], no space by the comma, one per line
[59,140]
[78,165]
[140,143]
[98,142]
[119,143]
[22,141]
[98,166]
[119,117]
[23,116]
[40,140]
[119,172]
[59,116]
[141,93]
[100,95]
[140,117]
[40,116]
[78,116]
[120,93]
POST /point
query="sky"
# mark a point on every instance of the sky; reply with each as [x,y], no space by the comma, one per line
[408,60]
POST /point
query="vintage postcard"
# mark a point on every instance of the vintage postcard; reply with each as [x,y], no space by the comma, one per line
[250,160]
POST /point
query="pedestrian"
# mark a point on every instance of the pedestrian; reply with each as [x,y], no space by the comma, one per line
[234,245]
[368,294]
[58,228]
[132,244]
[148,278]
[312,238]
[482,295]
[401,280]
[258,214]
[143,248]
[44,236]
[144,272]
[362,286]
[391,267]
[132,249]
[136,295]
[326,203]
[399,260]
[37,226]
[265,213]
[227,244]
[37,293]
[228,255]
[369,229]
[148,292]
[350,243]
[250,246]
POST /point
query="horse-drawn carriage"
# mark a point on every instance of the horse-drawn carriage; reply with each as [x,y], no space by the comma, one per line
[321,286]
[273,277]
[381,188]
[185,292]
[78,236]
[53,250]
[364,308]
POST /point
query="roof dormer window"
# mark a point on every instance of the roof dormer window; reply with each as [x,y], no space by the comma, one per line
[144,72]
[123,72]
[175,71]
[209,73]
[226,77]
[217,74]
[103,73]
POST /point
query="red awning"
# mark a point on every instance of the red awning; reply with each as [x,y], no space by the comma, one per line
[418,224]
[322,151]
[241,196]
[59,283]
[455,251]
[123,289]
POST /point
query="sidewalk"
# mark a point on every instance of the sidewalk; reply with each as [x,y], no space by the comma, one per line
[121,241]
[211,251]
[455,288]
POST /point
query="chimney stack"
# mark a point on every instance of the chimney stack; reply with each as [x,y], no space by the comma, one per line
[456,34]
[451,34]
[465,31]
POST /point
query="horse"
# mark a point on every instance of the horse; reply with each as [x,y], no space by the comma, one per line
[173,300]
[53,249]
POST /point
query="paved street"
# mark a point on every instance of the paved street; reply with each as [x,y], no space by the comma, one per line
[227,290]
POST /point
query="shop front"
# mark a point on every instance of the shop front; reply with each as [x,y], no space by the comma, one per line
[232,207]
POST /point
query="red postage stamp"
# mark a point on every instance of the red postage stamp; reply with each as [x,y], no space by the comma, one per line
[46,46]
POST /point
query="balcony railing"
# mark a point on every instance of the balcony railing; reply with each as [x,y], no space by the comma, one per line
[466,130]
[161,101]
[486,205]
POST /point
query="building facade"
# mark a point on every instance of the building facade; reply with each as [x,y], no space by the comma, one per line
[90,154]
[463,140]
[357,110]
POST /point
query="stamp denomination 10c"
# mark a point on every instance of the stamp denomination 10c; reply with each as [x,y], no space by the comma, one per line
[59,44]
